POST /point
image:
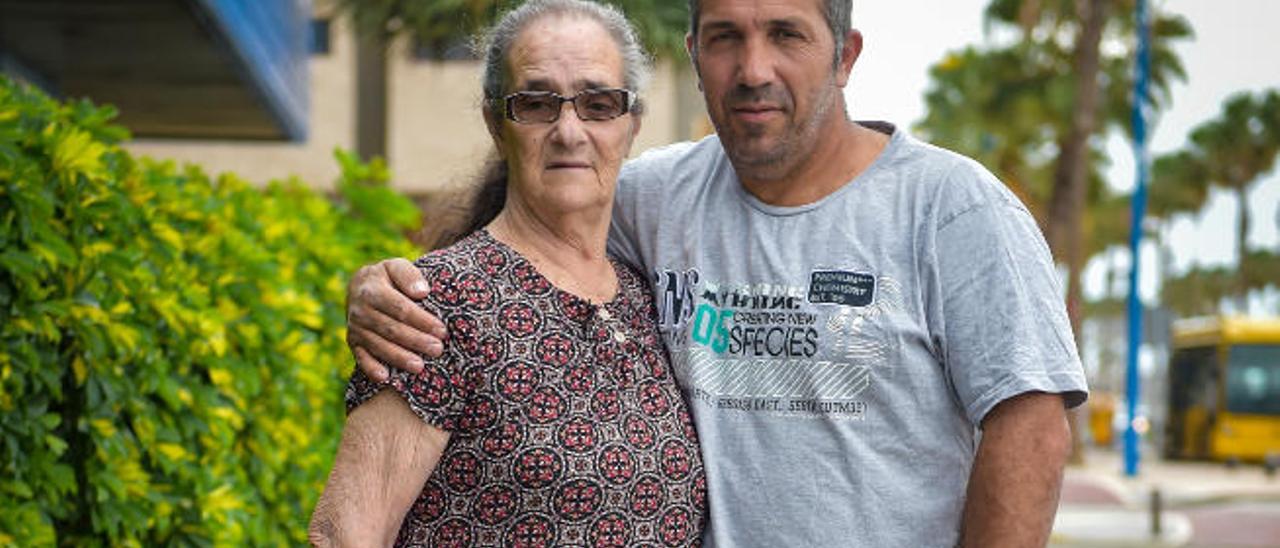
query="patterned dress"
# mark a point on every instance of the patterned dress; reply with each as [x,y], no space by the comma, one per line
[567,426]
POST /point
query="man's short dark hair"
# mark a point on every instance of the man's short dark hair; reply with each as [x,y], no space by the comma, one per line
[839,14]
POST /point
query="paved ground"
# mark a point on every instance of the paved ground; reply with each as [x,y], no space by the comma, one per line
[1205,505]
[1236,525]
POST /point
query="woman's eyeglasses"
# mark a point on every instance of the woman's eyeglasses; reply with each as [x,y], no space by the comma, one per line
[541,107]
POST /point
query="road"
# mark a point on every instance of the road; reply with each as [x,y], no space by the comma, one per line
[1205,505]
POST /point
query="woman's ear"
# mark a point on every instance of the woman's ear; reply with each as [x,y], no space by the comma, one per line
[635,126]
[494,124]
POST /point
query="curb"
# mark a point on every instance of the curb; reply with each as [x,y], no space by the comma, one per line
[1116,527]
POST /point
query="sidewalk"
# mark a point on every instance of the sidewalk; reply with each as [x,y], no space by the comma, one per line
[1100,506]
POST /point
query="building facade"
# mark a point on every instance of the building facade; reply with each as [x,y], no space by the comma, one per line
[436,139]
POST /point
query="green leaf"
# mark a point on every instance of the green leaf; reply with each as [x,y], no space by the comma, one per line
[166,335]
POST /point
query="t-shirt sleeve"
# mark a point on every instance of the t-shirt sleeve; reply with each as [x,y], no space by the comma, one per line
[624,229]
[1005,329]
[443,392]
[646,187]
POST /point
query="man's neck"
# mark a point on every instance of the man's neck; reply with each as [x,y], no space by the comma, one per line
[840,156]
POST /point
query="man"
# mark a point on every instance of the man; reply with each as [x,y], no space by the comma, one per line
[846,307]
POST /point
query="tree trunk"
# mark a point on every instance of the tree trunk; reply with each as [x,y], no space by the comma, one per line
[371,95]
[1242,235]
[1070,178]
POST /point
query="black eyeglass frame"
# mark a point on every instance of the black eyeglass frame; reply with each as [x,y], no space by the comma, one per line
[628,103]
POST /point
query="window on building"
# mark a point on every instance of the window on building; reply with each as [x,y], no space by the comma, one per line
[320,30]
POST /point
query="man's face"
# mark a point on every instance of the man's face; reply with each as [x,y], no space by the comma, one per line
[766,69]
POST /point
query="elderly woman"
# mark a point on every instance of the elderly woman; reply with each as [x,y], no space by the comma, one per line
[552,417]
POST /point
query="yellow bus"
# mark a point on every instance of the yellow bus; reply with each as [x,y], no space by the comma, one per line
[1224,389]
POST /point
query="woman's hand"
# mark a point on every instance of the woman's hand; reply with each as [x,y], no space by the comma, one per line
[385,325]
[385,456]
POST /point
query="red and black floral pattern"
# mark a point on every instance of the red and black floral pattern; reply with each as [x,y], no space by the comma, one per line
[567,425]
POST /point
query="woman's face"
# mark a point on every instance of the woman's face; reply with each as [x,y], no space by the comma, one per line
[568,164]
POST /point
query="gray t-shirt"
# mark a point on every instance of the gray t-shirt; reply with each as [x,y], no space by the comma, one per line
[837,356]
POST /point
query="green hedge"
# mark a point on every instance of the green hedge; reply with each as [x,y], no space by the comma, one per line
[173,356]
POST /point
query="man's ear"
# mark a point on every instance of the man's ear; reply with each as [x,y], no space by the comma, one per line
[848,56]
[691,48]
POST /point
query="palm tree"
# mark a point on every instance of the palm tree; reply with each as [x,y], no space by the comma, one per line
[1235,150]
[1031,110]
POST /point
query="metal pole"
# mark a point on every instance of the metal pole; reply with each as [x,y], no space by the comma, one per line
[1139,204]
[1157,507]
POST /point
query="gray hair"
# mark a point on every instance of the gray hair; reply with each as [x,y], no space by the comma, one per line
[839,15]
[496,42]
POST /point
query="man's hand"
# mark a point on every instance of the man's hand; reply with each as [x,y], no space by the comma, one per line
[1017,474]
[385,325]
